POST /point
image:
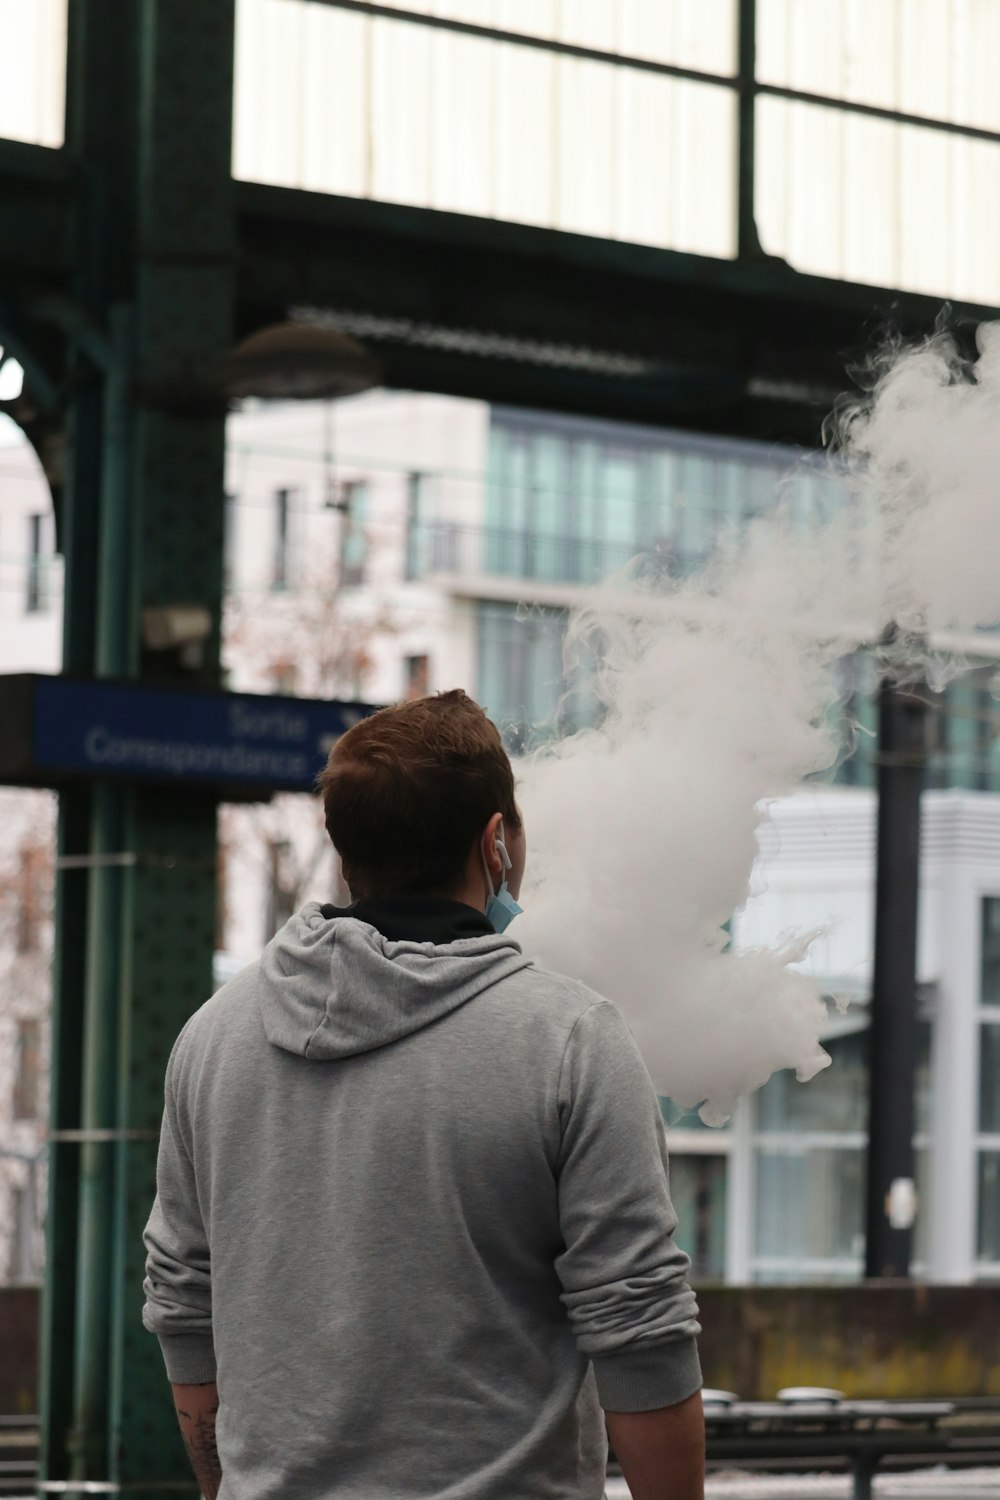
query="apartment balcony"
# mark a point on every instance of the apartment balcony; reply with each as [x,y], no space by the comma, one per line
[513,563]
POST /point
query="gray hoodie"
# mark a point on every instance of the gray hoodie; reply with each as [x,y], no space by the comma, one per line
[412,1213]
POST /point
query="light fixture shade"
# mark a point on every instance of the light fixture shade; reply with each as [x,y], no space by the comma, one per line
[299,362]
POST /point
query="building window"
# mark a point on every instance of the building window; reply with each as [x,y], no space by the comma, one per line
[415,521]
[809,1211]
[964,745]
[988,1214]
[31,903]
[809,1156]
[528,689]
[859,720]
[520,676]
[354,533]
[280,886]
[221,894]
[989,986]
[989,1079]
[229,516]
[434,543]
[988,1118]
[282,514]
[988,1142]
[285,679]
[23,1253]
[417,672]
[36,592]
[27,1070]
[698,1191]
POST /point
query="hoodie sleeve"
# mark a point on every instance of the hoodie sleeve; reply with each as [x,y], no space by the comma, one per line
[178,1284]
[623,1278]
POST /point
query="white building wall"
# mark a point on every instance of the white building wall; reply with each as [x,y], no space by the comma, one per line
[817,870]
[30,641]
[30,638]
[324,634]
[319,452]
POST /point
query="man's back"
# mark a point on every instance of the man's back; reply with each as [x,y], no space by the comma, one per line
[407,1191]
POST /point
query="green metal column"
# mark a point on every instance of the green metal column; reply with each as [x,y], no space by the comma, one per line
[150,105]
[183,327]
[57,1333]
[96,81]
[747,239]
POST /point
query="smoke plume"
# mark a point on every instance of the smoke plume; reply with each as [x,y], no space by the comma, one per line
[716,695]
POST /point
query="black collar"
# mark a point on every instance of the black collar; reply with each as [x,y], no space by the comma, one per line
[417,919]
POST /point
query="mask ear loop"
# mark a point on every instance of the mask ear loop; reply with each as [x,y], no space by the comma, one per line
[505,860]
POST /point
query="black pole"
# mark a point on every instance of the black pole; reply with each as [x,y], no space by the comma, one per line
[748,243]
[893,1038]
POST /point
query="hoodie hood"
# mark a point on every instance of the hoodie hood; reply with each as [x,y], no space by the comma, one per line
[332,987]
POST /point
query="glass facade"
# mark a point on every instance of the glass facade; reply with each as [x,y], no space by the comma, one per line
[808,1212]
[574,501]
[964,739]
[988,1212]
[522,679]
[698,1189]
[571,501]
[837,1098]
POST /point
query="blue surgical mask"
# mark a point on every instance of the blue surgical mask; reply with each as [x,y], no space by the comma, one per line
[501,908]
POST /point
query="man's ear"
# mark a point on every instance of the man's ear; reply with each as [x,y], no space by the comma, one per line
[491,832]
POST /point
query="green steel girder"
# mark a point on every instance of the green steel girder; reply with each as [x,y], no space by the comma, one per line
[169,898]
[144,306]
[747,347]
[36,225]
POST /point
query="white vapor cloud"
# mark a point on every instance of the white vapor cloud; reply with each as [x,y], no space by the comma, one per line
[717,693]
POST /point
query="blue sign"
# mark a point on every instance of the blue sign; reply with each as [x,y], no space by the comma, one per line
[99,729]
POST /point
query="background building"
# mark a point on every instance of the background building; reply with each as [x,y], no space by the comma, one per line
[396,544]
[680,222]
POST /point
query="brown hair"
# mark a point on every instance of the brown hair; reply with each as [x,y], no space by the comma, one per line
[409,790]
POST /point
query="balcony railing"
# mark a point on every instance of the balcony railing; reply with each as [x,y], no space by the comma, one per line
[445,547]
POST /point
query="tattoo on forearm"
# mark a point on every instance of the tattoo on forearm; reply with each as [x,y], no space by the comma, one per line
[198,1432]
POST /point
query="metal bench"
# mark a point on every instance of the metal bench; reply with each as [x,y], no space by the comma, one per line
[859,1433]
[757,1434]
[18,1454]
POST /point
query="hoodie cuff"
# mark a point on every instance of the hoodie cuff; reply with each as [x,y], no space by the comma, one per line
[189,1358]
[646,1378]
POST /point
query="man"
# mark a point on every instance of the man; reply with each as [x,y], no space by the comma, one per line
[412,1228]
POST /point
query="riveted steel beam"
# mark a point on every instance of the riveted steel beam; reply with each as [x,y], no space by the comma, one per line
[150,312]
